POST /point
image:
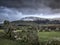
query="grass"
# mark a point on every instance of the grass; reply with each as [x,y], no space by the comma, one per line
[1,30]
[44,36]
[8,42]
[4,41]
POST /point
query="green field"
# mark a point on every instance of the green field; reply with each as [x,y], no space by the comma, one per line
[43,36]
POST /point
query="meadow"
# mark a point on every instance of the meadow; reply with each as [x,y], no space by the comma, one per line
[43,36]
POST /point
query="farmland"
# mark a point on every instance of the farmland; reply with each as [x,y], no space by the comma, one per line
[26,33]
[48,35]
[43,36]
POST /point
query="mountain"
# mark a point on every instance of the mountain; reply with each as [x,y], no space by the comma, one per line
[32,18]
[37,20]
[56,18]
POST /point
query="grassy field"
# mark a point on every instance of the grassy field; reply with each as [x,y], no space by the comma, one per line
[8,42]
[44,36]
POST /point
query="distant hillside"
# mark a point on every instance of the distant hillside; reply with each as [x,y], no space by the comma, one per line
[36,20]
[32,18]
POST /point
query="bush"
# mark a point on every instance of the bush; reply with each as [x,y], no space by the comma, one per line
[28,37]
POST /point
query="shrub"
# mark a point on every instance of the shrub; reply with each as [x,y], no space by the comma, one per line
[28,37]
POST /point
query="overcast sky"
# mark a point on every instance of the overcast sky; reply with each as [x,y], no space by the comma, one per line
[16,9]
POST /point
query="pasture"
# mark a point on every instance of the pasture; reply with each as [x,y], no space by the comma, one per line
[43,36]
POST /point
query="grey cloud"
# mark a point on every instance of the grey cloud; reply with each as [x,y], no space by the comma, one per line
[33,6]
[30,3]
[16,9]
[9,14]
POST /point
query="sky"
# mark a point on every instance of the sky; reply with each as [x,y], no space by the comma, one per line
[16,9]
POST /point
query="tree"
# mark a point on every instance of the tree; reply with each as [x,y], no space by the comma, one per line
[28,37]
[8,28]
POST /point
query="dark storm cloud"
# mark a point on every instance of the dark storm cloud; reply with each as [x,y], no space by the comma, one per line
[33,6]
[30,3]
[9,14]
[16,9]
